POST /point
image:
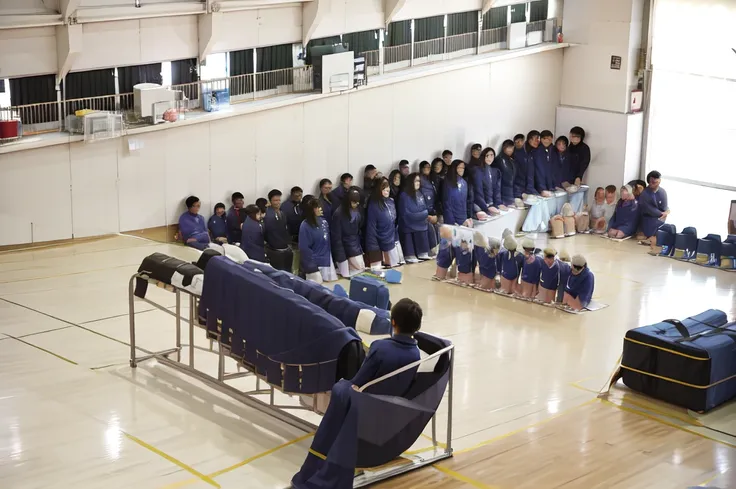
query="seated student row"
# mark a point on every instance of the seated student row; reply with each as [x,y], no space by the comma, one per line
[371,223]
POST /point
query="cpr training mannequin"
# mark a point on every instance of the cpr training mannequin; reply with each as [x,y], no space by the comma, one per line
[465,263]
[549,277]
[486,254]
[510,263]
[444,253]
[580,285]
[530,271]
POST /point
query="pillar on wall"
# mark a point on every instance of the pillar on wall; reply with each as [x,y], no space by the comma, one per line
[391,8]
[68,8]
[69,44]
[606,38]
[208,28]
[381,34]
[313,14]
[487,5]
[480,31]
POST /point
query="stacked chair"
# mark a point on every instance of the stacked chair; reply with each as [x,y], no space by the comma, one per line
[708,251]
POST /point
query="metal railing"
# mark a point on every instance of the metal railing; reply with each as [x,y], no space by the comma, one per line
[498,35]
[397,54]
[462,42]
[540,31]
[429,48]
[372,58]
[537,26]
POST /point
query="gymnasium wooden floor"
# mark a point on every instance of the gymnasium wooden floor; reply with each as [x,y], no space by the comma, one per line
[525,410]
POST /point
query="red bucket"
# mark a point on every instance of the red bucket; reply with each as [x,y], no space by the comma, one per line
[8,129]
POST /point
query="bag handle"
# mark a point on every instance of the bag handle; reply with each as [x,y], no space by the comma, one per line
[679,326]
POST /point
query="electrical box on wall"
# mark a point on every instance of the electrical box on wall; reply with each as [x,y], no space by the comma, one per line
[637,99]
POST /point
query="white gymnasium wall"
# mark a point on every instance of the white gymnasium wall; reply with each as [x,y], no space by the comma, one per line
[27,52]
[417,9]
[115,190]
[346,16]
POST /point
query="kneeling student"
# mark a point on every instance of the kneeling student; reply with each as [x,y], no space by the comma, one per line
[549,277]
[510,263]
[530,271]
[565,272]
[334,433]
[486,254]
[579,287]
[444,253]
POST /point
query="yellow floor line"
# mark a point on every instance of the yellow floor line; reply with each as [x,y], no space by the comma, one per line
[439,443]
[174,461]
[462,478]
[667,423]
[511,433]
[42,349]
[662,411]
[578,386]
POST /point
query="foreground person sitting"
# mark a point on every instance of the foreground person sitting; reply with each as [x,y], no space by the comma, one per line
[384,357]
[192,226]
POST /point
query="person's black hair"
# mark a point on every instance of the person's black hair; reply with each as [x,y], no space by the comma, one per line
[546,134]
[611,189]
[353,195]
[218,206]
[506,144]
[262,203]
[446,153]
[653,174]
[274,193]
[477,146]
[578,131]
[369,168]
[377,192]
[452,175]
[344,177]
[563,139]
[532,134]
[409,184]
[483,155]
[306,199]
[191,200]
[518,136]
[403,163]
[406,315]
[295,190]
[391,177]
[424,164]
[235,196]
[251,210]
[310,211]
[324,181]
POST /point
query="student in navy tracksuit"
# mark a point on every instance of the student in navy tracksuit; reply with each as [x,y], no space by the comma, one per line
[486,254]
[235,218]
[381,233]
[579,155]
[457,203]
[565,272]
[625,218]
[325,199]
[276,234]
[346,235]
[217,225]
[293,212]
[561,163]
[192,227]
[394,179]
[385,356]
[506,165]
[314,245]
[580,285]
[336,196]
[413,220]
[437,177]
[429,191]
[510,263]
[549,277]
[487,183]
[530,271]
[524,158]
[251,240]
[543,170]
[654,206]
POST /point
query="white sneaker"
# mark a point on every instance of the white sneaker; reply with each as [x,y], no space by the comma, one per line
[411,259]
[424,257]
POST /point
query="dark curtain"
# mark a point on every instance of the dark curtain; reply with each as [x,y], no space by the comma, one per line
[429,28]
[495,18]
[2,86]
[360,42]
[398,33]
[538,10]
[518,13]
[323,41]
[129,76]
[241,63]
[35,90]
[185,71]
[93,83]
[270,59]
[462,23]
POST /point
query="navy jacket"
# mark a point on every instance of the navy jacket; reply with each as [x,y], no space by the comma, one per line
[625,217]
[336,197]
[294,217]
[561,168]
[487,264]
[457,202]
[652,205]
[413,214]
[384,357]
[429,191]
[275,231]
[345,235]
[234,219]
[327,208]
[579,160]
[507,168]
[581,286]
[217,226]
[251,241]
[381,233]
[530,272]
[543,179]
[510,263]
[549,278]
[486,187]
[524,178]
[314,246]
[438,180]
